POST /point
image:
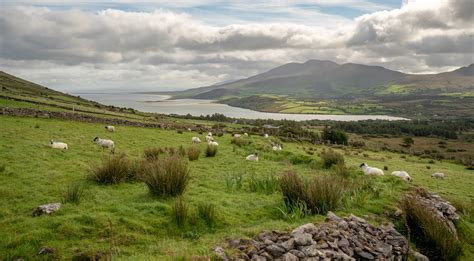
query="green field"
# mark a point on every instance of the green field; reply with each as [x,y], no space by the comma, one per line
[142,225]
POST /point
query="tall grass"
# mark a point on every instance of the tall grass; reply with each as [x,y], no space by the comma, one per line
[240,141]
[207,212]
[331,157]
[211,150]
[153,153]
[180,211]
[293,212]
[266,185]
[234,182]
[72,194]
[167,176]
[113,169]
[194,152]
[292,188]
[432,235]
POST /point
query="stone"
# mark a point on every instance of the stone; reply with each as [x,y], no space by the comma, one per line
[332,217]
[46,209]
[289,257]
[307,228]
[46,251]
[297,253]
[288,244]
[275,250]
[342,225]
[342,243]
[365,255]
[420,257]
[303,239]
[220,253]
[310,251]
[258,258]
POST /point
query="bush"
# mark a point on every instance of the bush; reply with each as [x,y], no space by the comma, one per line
[211,150]
[331,157]
[299,159]
[432,235]
[207,212]
[72,194]
[194,152]
[113,169]
[180,211]
[240,141]
[334,136]
[325,193]
[266,185]
[153,153]
[167,176]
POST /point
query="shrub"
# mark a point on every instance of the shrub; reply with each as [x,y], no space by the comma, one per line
[194,152]
[167,176]
[325,193]
[211,150]
[357,143]
[292,188]
[385,167]
[240,141]
[207,212]
[299,159]
[179,132]
[331,157]
[432,234]
[72,194]
[266,185]
[153,153]
[113,169]
[334,136]
[180,211]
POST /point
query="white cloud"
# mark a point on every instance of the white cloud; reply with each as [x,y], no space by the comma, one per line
[165,49]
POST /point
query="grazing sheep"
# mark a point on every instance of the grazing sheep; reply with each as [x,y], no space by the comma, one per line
[246,134]
[276,147]
[58,145]
[212,143]
[209,138]
[209,134]
[265,136]
[438,175]
[195,140]
[237,136]
[252,157]
[370,170]
[189,129]
[110,128]
[402,174]
[104,143]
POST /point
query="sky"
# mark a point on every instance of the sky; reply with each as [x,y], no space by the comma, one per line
[125,45]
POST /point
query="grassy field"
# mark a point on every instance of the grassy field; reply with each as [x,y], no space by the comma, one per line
[142,227]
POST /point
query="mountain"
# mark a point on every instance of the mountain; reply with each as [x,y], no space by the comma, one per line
[326,79]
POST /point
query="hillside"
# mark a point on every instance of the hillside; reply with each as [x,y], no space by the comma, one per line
[303,87]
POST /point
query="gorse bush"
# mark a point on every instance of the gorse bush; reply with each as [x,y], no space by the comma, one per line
[113,169]
[207,212]
[72,194]
[153,153]
[166,176]
[211,150]
[194,152]
[266,185]
[330,157]
[180,211]
[432,235]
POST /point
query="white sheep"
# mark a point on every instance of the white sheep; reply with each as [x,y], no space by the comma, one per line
[370,170]
[104,143]
[246,134]
[189,129]
[252,157]
[438,175]
[276,147]
[58,145]
[265,136]
[209,138]
[212,143]
[402,174]
[209,134]
[196,140]
[110,128]
[237,136]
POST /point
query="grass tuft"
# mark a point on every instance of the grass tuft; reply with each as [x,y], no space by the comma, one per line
[180,211]
[324,193]
[240,141]
[72,194]
[194,152]
[266,185]
[166,176]
[113,169]
[331,158]
[207,212]
[211,150]
[153,153]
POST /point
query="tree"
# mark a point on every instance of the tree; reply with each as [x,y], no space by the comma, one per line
[407,142]
[334,136]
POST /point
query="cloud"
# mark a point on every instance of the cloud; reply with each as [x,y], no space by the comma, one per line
[163,49]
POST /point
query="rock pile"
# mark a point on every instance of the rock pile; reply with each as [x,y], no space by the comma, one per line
[349,238]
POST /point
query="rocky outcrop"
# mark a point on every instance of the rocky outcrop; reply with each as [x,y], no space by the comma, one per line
[350,238]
